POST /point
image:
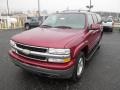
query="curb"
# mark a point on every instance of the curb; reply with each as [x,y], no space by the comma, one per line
[11,29]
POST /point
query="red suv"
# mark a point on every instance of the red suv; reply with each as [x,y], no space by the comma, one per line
[60,46]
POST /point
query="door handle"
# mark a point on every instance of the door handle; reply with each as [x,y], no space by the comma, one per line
[96,31]
[93,32]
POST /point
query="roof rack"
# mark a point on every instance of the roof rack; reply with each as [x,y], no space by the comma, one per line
[75,10]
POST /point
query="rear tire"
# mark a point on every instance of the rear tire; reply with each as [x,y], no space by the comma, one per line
[111,29]
[27,26]
[79,67]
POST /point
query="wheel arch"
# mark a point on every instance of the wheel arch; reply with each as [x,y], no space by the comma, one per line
[81,48]
[85,50]
[26,24]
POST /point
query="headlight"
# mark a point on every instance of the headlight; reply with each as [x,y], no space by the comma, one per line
[12,43]
[59,51]
[12,49]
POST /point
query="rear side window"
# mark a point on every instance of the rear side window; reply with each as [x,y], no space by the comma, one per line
[90,20]
[99,18]
[109,20]
[95,18]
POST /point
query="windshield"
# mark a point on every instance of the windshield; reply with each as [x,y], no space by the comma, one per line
[108,20]
[76,21]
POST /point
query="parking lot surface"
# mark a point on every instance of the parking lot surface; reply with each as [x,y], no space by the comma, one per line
[101,73]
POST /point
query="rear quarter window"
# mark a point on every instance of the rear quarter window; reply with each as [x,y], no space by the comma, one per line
[95,18]
[90,19]
[99,18]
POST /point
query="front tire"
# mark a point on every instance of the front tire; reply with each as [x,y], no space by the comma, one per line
[79,67]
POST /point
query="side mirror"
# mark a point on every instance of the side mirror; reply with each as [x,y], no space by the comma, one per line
[95,26]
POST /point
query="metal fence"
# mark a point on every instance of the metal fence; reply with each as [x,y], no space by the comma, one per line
[6,24]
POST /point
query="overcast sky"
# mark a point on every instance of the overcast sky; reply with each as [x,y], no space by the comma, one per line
[54,5]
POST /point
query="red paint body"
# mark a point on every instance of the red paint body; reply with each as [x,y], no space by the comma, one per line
[75,40]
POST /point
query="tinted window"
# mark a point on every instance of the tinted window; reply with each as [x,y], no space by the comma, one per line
[28,17]
[90,20]
[94,18]
[72,20]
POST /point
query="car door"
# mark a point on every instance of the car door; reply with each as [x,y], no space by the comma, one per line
[99,31]
[90,33]
[34,22]
[97,21]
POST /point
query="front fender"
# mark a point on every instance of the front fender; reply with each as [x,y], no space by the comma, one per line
[78,49]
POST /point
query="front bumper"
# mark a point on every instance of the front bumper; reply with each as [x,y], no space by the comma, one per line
[107,27]
[64,73]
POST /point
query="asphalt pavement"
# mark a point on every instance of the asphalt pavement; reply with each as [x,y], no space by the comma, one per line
[101,73]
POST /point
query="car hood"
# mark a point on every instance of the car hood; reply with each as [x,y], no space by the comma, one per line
[47,37]
[107,23]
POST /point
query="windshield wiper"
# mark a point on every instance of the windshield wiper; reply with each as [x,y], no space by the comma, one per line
[63,27]
[46,26]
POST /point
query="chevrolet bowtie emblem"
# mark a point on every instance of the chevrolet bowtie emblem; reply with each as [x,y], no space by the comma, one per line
[26,51]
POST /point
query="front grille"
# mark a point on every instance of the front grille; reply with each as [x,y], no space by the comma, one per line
[32,48]
[37,49]
[32,56]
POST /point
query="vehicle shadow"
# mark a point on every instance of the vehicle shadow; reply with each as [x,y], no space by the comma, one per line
[45,83]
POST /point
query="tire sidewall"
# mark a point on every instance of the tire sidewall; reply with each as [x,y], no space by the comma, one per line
[27,26]
[75,77]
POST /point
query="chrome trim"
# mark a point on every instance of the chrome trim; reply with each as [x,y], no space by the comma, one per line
[31,58]
[31,46]
[48,55]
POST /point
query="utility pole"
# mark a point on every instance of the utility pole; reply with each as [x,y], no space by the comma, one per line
[8,10]
[39,8]
[67,8]
[89,6]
